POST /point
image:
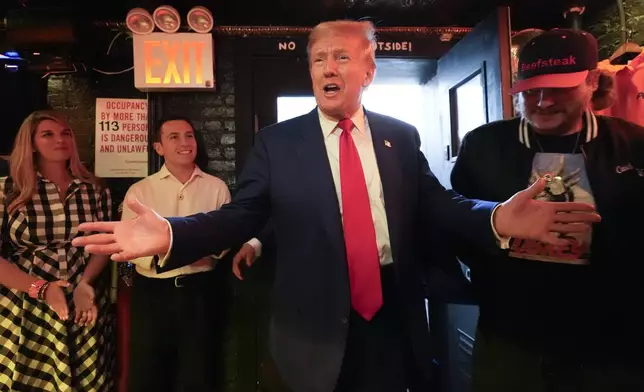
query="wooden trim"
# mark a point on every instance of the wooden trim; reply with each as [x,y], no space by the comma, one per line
[244,110]
[292,30]
[505,51]
[245,31]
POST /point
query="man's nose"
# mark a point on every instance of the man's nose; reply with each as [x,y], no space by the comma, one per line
[544,98]
[330,68]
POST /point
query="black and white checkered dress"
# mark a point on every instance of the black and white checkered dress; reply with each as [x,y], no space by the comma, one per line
[38,351]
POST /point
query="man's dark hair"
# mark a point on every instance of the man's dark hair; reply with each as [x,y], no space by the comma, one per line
[201,160]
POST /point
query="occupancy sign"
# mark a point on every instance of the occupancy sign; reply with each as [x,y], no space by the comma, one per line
[121,148]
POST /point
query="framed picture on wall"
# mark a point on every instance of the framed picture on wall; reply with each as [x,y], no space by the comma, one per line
[468,107]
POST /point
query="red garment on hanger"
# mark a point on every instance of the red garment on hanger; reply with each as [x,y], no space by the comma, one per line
[629,85]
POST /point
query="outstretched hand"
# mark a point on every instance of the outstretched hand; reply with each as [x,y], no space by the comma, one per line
[147,234]
[523,217]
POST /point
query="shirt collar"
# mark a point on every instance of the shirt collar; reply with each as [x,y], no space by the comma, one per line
[605,65]
[329,125]
[637,62]
[165,173]
[631,67]
[590,124]
[41,178]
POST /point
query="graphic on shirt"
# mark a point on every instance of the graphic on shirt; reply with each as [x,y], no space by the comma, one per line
[566,181]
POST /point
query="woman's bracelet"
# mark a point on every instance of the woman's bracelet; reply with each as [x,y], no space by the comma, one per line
[42,291]
[36,287]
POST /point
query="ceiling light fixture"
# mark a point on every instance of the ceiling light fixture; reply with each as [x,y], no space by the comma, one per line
[200,20]
[139,21]
[167,19]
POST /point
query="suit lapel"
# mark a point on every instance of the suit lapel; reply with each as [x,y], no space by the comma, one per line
[384,145]
[316,172]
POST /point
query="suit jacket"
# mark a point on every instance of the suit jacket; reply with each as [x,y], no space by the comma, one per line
[267,238]
[288,178]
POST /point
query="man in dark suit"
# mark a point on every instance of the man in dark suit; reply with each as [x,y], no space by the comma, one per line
[346,191]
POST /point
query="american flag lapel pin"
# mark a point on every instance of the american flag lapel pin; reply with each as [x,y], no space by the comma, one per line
[387,143]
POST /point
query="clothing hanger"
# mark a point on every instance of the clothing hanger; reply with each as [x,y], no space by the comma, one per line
[626,52]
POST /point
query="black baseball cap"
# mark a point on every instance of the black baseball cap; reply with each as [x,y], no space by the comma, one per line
[559,58]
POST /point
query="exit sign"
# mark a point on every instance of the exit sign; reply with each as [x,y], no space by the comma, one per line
[174,61]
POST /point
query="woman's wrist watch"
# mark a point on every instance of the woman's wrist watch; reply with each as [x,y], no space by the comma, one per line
[37,289]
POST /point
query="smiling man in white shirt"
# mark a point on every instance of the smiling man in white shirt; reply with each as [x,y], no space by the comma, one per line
[172,312]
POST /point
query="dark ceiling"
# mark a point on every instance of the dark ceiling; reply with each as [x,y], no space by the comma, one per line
[466,13]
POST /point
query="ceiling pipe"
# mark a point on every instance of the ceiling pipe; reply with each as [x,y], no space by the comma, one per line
[622,22]
[574,15]
[278,30]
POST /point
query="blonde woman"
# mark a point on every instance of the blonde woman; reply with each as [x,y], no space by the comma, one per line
[55,333]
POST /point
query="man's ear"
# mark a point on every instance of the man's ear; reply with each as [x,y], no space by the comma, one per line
[158,148]
[593,79]
[371,74]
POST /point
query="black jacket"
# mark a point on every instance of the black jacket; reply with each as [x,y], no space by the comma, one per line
[594,307]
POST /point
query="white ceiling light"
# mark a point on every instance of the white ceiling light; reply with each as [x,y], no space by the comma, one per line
[167,19]
[139,21]
[200,19]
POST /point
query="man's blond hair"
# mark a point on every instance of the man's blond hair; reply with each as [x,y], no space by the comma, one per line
[346,28]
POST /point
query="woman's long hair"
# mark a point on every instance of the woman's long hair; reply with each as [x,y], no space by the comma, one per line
[23,159]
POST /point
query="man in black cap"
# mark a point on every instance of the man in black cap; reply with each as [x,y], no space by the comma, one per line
[560,318]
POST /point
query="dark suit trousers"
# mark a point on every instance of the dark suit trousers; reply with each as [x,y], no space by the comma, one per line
[173,342]
[378,352]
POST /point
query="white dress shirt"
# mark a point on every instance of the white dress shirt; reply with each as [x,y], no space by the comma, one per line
[362,138]
[165,194]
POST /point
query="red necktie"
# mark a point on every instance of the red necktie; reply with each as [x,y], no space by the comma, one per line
[359,232]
